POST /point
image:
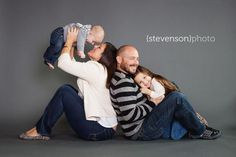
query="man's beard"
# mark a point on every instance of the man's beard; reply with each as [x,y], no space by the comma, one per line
[129,68]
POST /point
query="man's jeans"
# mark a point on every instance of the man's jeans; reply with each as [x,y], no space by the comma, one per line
[175,106]
[67,100]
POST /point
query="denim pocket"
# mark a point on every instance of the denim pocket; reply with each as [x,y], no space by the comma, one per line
[151,130]
[103,135]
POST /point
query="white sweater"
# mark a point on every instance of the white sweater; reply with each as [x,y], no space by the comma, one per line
[92,87]
[157,89]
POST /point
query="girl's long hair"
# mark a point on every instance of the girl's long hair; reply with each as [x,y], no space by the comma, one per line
[168,85]
[108,59]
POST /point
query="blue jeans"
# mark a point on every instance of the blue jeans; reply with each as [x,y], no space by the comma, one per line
[66,100]
[56,44]
[175,106]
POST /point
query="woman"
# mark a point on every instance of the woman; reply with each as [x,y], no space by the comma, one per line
[89,111]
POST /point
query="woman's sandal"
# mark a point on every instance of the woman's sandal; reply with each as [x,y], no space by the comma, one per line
[23,136]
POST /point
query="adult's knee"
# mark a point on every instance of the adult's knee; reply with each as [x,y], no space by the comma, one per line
[176,94]
[177,97]
[65,88]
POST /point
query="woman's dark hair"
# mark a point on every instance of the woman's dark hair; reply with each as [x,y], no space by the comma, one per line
[168,85]
[108,59]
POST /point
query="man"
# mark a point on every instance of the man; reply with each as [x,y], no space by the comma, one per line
[143,119]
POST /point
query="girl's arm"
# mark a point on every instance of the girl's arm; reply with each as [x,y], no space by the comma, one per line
[158,89]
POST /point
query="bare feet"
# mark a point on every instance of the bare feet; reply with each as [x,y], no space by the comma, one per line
[51,66]
[32,132]
[81,54]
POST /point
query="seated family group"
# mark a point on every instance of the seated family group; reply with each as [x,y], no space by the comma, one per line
[113,89]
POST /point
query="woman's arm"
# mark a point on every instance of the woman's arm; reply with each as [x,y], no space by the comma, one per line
[85,70]
[71,38]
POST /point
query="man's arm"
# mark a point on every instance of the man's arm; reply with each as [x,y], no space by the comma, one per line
[130,101]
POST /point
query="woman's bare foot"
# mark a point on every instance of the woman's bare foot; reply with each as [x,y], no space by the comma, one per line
[32,134]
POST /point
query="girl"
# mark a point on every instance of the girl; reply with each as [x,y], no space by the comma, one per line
[156,86]
[153,85]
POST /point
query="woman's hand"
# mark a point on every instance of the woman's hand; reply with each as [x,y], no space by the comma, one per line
[70,40]
[71,36]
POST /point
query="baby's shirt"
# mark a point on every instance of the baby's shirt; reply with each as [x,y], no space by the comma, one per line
[156,88]
[82,36]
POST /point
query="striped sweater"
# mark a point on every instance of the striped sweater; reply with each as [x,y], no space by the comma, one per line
[130,104]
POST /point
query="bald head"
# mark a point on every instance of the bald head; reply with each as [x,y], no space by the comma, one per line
[127,59]
[126,49]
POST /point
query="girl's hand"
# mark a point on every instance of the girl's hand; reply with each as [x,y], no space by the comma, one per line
[158,99]
[146,91]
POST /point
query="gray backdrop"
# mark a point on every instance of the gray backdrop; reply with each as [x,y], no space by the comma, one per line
[205,71]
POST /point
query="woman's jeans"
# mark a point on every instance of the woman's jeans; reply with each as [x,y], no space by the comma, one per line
[175,106]
[66,100]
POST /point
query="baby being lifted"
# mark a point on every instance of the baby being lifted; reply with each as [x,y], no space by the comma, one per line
[88,34]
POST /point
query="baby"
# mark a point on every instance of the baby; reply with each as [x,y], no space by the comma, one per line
[88,35]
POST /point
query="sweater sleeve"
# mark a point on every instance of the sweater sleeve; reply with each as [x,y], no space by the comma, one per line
[87,70]
[157,89]
[132,104]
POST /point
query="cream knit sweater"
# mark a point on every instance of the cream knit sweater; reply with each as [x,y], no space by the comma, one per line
[91,82]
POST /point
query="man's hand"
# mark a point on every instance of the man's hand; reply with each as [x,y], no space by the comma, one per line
[157,100]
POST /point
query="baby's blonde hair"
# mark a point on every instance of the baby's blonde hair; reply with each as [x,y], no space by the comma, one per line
[98,32]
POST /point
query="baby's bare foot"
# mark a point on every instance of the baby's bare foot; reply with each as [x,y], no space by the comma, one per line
[51,66]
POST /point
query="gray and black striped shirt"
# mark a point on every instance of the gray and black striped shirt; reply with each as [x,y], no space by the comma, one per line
[130,104]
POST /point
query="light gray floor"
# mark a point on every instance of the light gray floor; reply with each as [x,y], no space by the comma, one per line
[66,144]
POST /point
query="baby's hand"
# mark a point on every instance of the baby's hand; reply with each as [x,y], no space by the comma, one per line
[81,54]
[146,91]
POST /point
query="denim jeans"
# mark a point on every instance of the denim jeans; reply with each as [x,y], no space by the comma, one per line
[175,106]
[56,44]
[66,100]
